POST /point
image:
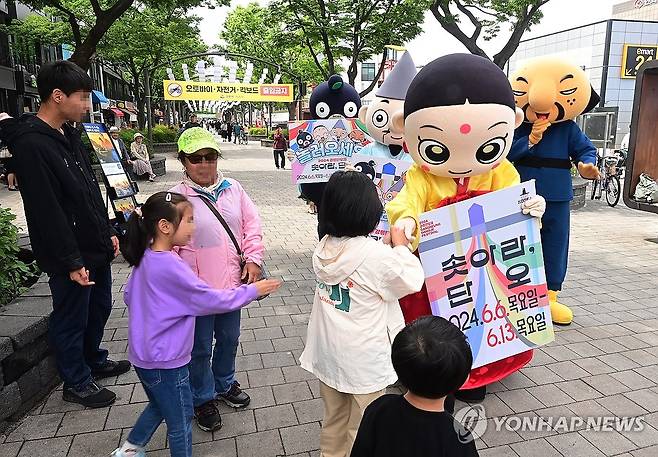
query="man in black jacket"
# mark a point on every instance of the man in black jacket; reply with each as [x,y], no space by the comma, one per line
[69,229]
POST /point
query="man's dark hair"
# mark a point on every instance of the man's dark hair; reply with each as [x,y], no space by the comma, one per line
[431,357]
[350,206]
[63,75]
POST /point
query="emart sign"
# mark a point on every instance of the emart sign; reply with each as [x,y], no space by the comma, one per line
[194,90]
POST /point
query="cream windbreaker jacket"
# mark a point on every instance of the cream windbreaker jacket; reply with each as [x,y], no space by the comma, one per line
[356,314]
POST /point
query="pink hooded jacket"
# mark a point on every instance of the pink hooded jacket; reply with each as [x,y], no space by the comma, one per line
[211,253]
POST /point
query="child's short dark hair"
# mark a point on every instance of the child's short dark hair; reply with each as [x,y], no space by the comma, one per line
[63,75]
[431,357]
[350,206]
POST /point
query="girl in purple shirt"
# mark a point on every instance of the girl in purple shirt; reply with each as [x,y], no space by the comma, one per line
[164,296]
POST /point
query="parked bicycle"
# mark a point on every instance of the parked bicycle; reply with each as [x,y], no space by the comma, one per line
[608,181]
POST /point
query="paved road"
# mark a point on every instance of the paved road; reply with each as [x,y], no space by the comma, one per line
[605,364]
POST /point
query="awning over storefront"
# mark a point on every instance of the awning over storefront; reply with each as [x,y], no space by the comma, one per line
[117,112]
[100,98]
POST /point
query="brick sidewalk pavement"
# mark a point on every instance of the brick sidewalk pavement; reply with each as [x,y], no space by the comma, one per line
[605,364]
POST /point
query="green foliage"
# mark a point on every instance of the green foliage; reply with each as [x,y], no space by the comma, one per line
[257,131]
[161,134]
[164,134]
[353,30]
[258,31]
[14,273]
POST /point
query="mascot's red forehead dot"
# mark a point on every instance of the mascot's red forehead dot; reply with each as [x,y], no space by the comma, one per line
[465,128]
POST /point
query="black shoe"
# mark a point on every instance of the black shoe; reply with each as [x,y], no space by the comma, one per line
[91,396]
[111,368]
[471,395]
[208,417]
[235,397]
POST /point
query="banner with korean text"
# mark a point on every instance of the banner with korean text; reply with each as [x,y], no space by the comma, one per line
[197,90]
[484,272]
[322,147]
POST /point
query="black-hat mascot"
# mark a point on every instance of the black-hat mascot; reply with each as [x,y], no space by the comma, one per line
[458,121]
[337,99]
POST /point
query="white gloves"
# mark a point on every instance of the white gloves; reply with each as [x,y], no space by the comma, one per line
[535,206]
[408,225]
[290,155]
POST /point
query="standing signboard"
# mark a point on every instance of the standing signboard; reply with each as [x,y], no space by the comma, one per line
[484,272]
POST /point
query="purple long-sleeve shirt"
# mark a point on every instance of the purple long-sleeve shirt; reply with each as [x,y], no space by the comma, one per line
[164,296]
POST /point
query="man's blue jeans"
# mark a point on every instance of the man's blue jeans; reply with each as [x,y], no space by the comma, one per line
[208,381]
[76,325]
[170,398]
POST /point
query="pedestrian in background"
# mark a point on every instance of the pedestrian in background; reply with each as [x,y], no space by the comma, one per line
[280,146]
[140,157]
[69,229]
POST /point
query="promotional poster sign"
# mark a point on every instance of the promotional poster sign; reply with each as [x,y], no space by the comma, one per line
[103,146]
[388,176]
[322,147]
[198,90]
[484,272]
[115,177]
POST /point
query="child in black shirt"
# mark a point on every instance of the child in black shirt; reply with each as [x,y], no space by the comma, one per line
[432,359]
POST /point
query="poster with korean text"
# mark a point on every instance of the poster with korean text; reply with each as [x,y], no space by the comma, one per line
[388,176]
[484,272]
[322,147]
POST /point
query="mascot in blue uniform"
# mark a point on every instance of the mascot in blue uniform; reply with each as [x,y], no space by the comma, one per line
[552,93]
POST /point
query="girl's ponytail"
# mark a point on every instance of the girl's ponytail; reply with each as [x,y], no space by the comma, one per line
[142,224]
[137,239]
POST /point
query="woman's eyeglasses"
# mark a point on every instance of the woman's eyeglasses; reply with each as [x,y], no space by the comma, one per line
[196,159]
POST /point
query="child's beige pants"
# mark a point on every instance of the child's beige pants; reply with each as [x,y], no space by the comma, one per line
[342,416]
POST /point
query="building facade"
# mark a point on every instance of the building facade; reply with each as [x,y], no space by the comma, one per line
[639,10]
[610,51]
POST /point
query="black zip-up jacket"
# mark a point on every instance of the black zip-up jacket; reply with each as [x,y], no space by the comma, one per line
[66,217]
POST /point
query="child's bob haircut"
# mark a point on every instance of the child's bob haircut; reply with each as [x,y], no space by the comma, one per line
[350,206]
[431,357]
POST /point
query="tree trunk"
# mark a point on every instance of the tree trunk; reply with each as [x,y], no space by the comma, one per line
[86,50]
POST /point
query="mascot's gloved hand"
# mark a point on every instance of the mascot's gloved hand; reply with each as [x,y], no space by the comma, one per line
[290,155]
[535,206]
[408,225]
[588,170]
[538,129]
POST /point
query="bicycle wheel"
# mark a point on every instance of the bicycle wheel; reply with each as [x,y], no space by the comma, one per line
[613,191]
[595,185]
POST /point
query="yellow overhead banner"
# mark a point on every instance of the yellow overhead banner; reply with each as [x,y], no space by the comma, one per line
[232,92]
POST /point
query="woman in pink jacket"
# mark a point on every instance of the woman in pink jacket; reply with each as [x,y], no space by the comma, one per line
[214,258]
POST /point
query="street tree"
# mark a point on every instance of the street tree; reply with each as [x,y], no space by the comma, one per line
[485,19]
[258,31]
[85,22]
[144,38]
[355,30]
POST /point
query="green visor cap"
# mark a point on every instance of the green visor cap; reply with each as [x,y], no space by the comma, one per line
[196,138]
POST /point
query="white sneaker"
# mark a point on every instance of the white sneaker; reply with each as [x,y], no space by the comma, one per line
[119,453]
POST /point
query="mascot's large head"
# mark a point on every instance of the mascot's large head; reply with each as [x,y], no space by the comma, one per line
[459,116]
[334,98]
[553,89]
[388,101]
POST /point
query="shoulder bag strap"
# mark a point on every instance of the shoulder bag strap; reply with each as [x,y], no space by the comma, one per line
[222,221]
